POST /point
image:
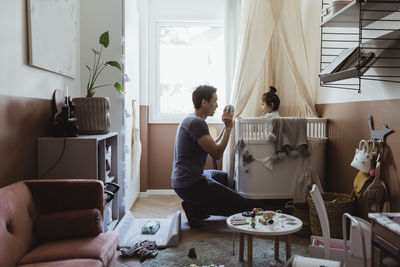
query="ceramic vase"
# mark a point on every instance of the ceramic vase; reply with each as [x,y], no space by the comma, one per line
[93,114]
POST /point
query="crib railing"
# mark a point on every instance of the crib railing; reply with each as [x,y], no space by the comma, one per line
[258,128]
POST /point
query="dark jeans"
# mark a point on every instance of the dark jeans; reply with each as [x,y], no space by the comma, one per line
[211,196]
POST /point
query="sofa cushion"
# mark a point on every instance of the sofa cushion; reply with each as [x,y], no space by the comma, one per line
[68,224]
[101,247]
[67,263]
[16,223]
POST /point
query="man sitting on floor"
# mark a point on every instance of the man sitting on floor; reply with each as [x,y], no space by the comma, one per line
[203,192]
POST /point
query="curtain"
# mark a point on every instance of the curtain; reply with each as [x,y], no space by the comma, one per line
[232,25]
[232,17]
[133,166]
[271,51]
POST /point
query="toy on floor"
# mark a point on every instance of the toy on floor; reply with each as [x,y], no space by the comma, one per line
[192,254]
[151,227]
[144,249]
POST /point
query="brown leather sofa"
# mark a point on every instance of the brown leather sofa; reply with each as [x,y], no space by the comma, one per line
[54,223]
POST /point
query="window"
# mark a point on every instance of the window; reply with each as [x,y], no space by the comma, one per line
[188,54]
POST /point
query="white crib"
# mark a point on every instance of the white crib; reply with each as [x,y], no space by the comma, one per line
[254,180]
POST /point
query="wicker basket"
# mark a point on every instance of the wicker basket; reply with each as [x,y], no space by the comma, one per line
[301,211]
[336,204]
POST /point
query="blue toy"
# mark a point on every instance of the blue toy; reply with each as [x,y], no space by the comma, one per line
[229,108]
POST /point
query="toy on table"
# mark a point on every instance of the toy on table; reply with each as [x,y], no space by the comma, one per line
[258,211]
[253,220]
[247,213]
[238,220]
[266,222]
[268,214]
[267,217]
[229,108]
[281,217]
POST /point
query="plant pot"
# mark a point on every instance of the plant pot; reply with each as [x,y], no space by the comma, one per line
[93,114]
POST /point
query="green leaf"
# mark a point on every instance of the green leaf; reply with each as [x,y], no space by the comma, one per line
[95,51]
[104,39]
[118,87]
[114,64]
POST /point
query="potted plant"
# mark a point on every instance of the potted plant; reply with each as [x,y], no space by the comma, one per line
[93,113]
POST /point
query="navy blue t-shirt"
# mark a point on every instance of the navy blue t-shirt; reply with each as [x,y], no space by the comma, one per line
[189,157]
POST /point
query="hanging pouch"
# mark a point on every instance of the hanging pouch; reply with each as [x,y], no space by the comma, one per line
[360,183]
[375,193]
[362,157]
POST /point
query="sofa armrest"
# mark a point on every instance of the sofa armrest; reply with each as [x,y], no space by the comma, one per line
[68,224]
[66,194]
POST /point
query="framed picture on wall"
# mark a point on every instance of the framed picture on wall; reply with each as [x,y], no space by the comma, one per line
[53,39]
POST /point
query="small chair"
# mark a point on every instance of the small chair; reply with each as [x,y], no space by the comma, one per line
[336,249]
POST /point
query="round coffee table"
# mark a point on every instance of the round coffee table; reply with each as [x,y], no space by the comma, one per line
[284,225]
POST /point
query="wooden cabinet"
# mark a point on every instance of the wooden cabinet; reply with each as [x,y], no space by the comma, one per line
[385,247]
[83,157]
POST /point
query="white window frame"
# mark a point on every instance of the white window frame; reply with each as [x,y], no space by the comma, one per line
[155,117]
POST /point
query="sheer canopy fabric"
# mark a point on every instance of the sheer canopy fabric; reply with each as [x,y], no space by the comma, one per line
[272,51]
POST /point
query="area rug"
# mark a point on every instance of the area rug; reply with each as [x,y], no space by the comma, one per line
[218,251]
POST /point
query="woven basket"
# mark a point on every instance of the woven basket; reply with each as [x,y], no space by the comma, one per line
[93,114]
[301,211]
[336,204]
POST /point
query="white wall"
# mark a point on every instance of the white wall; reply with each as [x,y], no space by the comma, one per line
[98,16]
[370,90]
[17,78]
[132,96]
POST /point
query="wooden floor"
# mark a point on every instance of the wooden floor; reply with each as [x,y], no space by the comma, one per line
[164,206]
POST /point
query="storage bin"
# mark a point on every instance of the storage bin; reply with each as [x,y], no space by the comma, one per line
[335,204]
[301,211]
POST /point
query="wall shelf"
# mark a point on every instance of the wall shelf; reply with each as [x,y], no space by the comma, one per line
[350,14]
[373,28]
[83,157]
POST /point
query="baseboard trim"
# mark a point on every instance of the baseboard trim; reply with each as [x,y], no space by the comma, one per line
[155,192]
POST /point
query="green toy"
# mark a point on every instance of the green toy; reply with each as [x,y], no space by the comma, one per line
[151,227]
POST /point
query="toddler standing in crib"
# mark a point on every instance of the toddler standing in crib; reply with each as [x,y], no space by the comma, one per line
[269,107]
[270,104]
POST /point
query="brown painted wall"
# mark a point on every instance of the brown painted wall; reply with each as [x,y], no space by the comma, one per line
[22,120]
[144,140]
[158,153]
[348,123]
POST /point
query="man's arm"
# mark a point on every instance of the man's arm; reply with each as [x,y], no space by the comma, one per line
[210,146]
[220,135]
[215,150]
